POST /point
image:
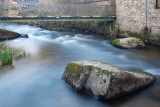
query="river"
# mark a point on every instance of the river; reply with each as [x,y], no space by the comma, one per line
[36,81]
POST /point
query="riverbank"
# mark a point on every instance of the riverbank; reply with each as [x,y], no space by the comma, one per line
[97,26]
[6,34]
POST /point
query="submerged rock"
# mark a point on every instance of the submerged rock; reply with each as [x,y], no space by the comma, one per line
[103,80]
[6,34]
[130,42]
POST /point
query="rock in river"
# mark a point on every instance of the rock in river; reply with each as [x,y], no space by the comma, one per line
[102,80]
[6,34]
[130,42]
[24,36]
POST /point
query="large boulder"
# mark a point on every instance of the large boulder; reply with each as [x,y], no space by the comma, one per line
[103,80]
[130,42]
[6,34]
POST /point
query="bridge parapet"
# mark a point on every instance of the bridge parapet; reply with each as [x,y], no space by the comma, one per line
[53,10]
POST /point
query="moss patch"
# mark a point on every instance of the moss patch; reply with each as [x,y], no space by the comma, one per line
[134,34]
[71,67]
[146,73]
[109,64]
[142,36]
[115,42]
[4,32]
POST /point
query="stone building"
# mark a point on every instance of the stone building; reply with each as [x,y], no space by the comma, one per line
[135,15]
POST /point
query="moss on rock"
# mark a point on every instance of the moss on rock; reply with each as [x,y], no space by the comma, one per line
[6,34]
[110,64]
[128,43]
[104,80]
[71,67]
[115,42]
[2,31]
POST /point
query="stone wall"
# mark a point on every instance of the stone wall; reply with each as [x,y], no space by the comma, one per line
[97,27]
[131,17]
[7,1]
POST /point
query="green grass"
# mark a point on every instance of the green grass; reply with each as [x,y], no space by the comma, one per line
[6,57]
[8,54]
[61,19]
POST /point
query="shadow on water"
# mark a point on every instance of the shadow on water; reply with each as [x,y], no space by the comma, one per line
[36,81]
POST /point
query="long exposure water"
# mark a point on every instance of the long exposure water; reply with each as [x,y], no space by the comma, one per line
[37,81]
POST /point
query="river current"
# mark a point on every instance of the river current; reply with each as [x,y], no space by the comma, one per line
[36,81]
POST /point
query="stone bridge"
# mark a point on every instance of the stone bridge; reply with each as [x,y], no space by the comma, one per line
[55,10]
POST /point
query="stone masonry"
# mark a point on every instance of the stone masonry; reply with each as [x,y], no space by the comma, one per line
[131,17]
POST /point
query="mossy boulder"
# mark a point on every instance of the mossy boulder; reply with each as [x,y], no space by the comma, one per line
[103,80]
[130,42]
[6,34]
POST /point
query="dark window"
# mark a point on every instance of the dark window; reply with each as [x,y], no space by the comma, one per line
[158,4]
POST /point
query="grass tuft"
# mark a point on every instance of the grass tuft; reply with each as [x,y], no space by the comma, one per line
[8,54]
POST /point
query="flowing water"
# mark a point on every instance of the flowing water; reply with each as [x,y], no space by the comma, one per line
[36,81]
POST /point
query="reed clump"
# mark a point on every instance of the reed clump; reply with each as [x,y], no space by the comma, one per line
[8,54]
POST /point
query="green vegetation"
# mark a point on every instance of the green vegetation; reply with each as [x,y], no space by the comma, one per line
[71,67]
[129,42]
[145,73]
[107,64]
[115,42]
[142,36]
[8,54]
[73,70]
[61,19]
[4,32]
[111,65]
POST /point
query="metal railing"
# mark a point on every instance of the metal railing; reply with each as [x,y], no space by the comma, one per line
[54,10]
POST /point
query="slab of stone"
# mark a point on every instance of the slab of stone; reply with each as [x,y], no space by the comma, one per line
[128,43]
[104,81]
